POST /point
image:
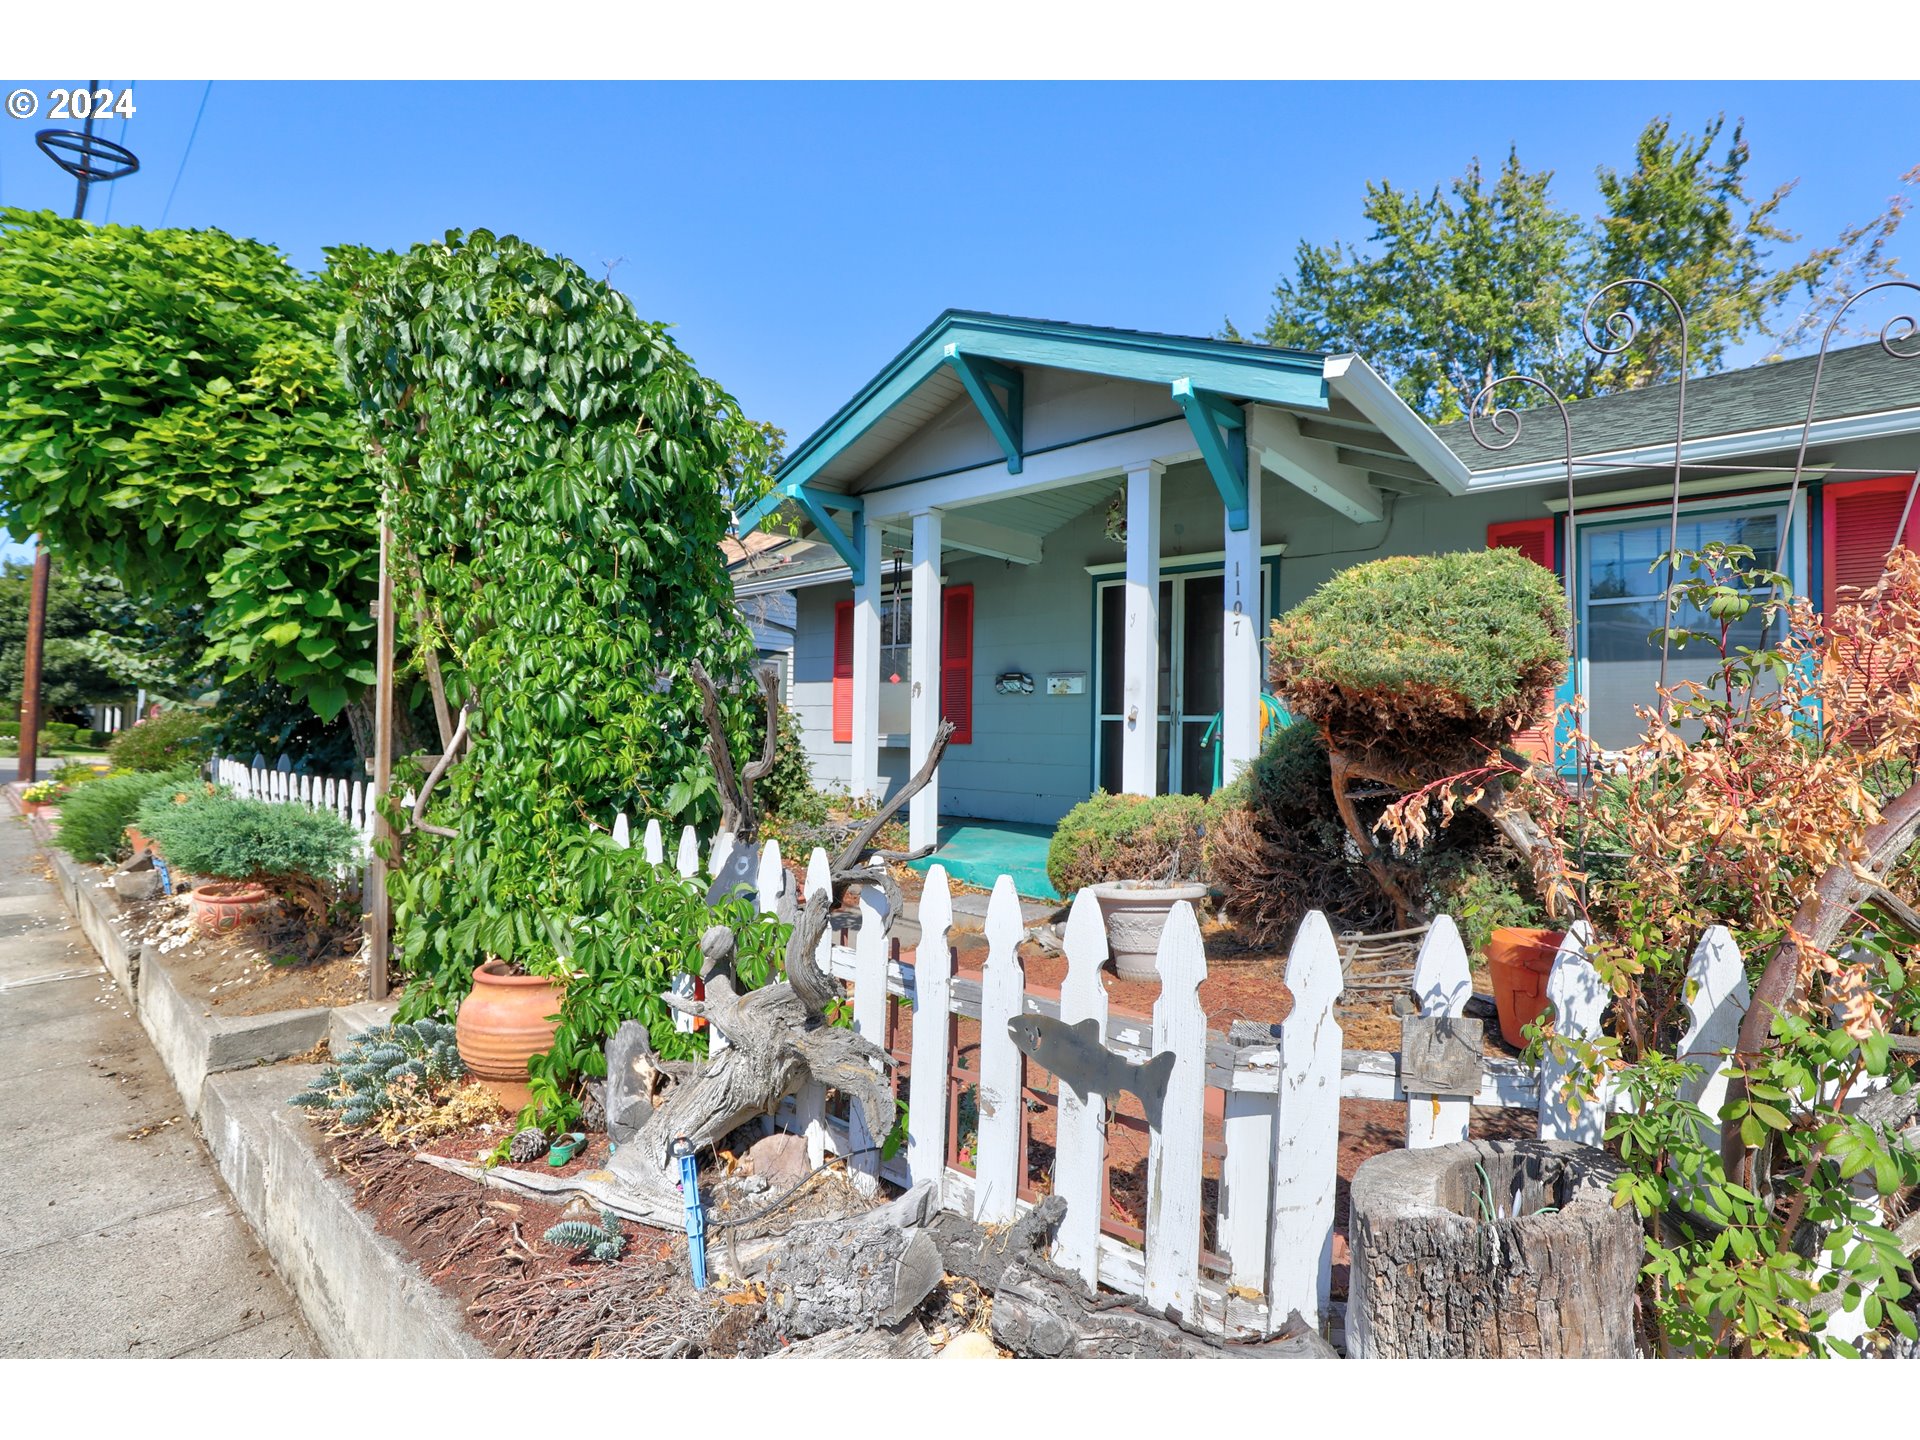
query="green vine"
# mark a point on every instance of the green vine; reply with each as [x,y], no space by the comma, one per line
[558,477]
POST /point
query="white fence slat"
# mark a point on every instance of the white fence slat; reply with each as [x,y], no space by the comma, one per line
[650,845]
[870,1001]
[1579,998]
[932,994]
[996,1159]
[771,881]
[1716,1000]
[1443,983]
[687,859]
[1173,1146]
[1082,1152]
[810,1105]
[1306,1132]
[1246,1187]
[717,854]
[622,835]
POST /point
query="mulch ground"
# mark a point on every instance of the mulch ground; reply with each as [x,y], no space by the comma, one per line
[257,968]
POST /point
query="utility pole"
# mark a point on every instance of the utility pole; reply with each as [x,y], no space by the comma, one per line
[91,161]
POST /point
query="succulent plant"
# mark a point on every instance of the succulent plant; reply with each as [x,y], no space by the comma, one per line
[603,1242]
[357,1085]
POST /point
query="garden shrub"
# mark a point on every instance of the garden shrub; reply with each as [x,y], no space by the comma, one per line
[1424,662]
[94,816]
[1277,848]
[1127,837]
[163,742]
[788,792]
[206,831]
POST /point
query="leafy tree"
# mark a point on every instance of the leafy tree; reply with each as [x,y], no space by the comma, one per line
[1486,278]
[557,475]
[171,412]
[71,676]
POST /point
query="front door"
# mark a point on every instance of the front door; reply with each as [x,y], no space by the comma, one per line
[1192,660]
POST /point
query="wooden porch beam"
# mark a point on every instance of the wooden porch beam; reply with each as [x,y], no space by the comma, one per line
[1220,430]
[1005,412]
[1275,442]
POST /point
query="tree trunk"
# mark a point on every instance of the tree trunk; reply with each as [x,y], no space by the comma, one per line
[829,1274]
[1045,1313]
[1432,1276]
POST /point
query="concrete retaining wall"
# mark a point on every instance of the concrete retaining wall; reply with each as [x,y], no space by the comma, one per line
[360,1292]
[193,1042]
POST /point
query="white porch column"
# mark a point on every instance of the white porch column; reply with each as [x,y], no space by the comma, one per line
[1140,730]
[923,823]
[864,776]
[1245,629]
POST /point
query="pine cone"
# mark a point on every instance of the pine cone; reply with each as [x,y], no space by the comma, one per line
[593,1112]
[528,1145]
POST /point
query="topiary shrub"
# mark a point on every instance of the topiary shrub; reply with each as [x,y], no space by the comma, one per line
[1423,663]
[208,832]
[94,816]
[169,739]
[1128,837]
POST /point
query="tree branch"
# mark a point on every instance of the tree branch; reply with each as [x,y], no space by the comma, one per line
[440,768]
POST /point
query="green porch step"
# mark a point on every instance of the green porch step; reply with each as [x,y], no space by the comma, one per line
[979,852]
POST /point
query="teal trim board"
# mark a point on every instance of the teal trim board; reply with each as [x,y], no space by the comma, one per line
[1005,417]
[1220,430]
[979,852]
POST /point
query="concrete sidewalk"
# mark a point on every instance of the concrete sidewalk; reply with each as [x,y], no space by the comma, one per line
[118,1237]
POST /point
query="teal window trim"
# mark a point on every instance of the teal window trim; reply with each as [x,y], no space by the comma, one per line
[1005,414]
[1220,430]
[1794,565]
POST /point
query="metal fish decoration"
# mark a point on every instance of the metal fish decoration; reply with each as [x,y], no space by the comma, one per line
[1076,1055]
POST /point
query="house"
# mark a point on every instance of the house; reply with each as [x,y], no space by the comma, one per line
[1068,539]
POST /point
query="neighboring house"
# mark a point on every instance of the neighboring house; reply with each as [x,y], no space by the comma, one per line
[1079,534]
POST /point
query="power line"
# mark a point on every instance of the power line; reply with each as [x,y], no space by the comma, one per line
[165,210]
[125,120]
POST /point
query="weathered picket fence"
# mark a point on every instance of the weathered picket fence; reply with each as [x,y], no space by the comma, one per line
[280,784]
[1272,1134]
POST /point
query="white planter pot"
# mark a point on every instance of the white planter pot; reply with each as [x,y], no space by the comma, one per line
[1135,912]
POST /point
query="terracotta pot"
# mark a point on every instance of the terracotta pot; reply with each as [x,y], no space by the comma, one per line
[1519,960]
[226,905]
[140,843]
[35,807]
[505,1021]
[1135,912]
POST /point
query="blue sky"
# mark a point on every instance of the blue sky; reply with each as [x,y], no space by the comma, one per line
[798,234]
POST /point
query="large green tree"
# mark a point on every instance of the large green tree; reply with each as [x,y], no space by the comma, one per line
[70,676]
[1489,276]
[172,413]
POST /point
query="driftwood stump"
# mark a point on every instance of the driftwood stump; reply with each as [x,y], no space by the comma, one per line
[1551,1273]
[829,1275]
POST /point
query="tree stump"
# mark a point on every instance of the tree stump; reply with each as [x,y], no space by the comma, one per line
[1491,1249]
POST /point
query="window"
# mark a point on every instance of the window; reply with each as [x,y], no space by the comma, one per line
[1622,590]
[896,664]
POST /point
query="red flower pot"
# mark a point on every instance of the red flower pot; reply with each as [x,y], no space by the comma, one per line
[140,843]
[504,1022]
[1518,962]
[226,905]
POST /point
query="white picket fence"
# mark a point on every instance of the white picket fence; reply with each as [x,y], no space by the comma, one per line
[351,800]
[1274,1223]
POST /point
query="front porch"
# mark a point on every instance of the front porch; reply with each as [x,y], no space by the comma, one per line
[1067,543]
[979,852]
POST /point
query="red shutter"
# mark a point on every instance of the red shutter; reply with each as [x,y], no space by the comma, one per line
[843,671]
[956,661]
[1858,518]
[1533,539]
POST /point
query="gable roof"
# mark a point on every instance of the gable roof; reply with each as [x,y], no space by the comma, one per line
[1863,391]
[922,379]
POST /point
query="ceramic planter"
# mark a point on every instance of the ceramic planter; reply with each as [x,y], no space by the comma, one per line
[1135,912]
[1518,962]
[140,843]
[226,905]
[504,1022]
